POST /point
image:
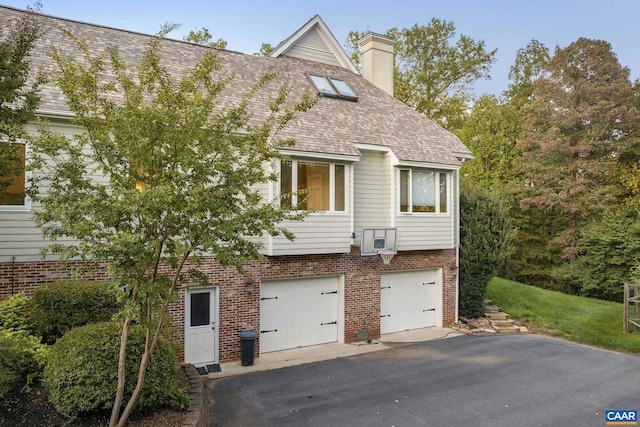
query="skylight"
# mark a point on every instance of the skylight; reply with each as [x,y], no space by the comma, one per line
[343,88]
[332,87]
[323,85]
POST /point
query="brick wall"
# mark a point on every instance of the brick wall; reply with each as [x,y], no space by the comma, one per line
[239,294]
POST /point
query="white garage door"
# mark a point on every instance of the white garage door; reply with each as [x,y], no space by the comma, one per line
[298,313]
[407,300]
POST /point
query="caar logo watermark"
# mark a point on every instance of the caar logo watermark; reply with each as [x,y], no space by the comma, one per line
[619,417]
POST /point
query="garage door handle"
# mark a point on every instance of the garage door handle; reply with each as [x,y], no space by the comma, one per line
[429,283]
[263,299]
[429,309]
[271,330]
[335,322]
[385,315]
[327,293]
[386,287]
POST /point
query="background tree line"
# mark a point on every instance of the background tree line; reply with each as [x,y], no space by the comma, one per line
[558,149]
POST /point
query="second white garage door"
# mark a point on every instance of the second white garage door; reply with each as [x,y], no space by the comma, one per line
[408,300]
[298,313]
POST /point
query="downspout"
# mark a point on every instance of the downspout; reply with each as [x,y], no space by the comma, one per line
[351,201]
[13,273]
[457,243]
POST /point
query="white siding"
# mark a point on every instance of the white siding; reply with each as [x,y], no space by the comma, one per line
[318,233]
[313,40]
[427,231]
[312,55]
[419,232]
[19,236]
[372,192]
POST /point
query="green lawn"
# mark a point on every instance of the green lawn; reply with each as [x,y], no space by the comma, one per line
[584,320]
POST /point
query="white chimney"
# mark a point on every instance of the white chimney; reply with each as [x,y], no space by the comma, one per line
[376,53]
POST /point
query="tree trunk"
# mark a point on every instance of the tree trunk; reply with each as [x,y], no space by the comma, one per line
[115,411]
[149,347]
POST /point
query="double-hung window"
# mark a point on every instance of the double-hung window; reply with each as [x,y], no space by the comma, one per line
[12,184]
[316,186]
[423,191]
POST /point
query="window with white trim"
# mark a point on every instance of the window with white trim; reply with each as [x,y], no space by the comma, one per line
[423,191]
[13,185]
[321,186]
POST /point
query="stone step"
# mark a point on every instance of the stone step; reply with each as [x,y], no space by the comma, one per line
[507,329]
[499,322]
[496,316]
[491,309]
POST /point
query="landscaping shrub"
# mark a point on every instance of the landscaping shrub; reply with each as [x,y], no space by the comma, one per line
[21,354]
[484,230]
[21,359]
[81,372]
[12,313]
[57,307]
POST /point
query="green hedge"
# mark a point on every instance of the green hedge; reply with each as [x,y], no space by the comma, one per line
[81,373]
[484,231]
[57,307]
[21,354]
[12,313]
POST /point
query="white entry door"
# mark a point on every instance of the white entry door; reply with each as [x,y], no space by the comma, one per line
[298,313]
[408,300]
[201,328]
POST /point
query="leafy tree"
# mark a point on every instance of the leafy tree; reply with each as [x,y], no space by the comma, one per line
[434,72]
[158,179]
[265,49]
[203,37]
[490,132]
[19,88]
[532,254]
[611,248]
[484,232]
[530,65]
[629,157]
[573,131]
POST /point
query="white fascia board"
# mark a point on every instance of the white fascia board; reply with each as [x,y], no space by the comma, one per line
[427,165]
[64,114]
[464,156]
[327,37]
[373,147]
[320,156]
[337,50]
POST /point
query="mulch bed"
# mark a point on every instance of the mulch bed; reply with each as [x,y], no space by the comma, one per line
[31,408]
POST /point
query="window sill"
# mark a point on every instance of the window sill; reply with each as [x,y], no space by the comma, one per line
[11,208]
[332,213]
[423,214]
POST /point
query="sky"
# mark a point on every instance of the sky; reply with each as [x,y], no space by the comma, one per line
[507,25]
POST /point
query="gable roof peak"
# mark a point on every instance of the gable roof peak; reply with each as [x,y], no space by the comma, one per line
[315,41]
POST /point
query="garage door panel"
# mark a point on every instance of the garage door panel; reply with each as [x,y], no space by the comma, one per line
[407,300]
[298,312]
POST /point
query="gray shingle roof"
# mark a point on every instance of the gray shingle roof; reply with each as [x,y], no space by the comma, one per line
[332,126]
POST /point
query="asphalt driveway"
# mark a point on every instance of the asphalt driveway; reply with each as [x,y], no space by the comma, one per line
[471,380]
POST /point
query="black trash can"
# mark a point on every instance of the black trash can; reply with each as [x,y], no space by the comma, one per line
[248,345]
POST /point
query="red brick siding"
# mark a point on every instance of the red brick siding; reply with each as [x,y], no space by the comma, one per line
[239,295]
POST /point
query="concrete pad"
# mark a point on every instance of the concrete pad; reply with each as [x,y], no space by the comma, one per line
[317,353]
[419,335]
